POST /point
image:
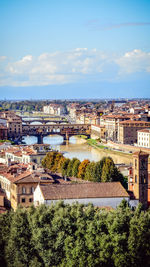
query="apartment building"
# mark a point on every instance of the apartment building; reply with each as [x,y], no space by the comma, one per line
[111,122]
[3,132]
[54,109]
[19,182]
[27,154]
[13,123]
[144,138]
[127,130]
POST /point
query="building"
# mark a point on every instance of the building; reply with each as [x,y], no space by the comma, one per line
[19,182]
[2,201]
[54,109]
[98,131]
[127,130]
[144,138]
[13,123]
[27,154]
[111,123]
[99,194]
[3,132]
[23,186]
[138,178]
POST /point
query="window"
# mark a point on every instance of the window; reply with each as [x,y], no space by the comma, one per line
[135,178]
[30,199]
[23,200]
[135,163]
[23,190]
[32,189]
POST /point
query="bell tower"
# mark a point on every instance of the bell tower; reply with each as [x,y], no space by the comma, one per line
[140,177]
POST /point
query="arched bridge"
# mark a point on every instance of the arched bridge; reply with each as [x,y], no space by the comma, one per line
[42,121]
[65,130]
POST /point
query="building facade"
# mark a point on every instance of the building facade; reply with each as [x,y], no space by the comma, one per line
[127,130]
[138,181]
[144,138]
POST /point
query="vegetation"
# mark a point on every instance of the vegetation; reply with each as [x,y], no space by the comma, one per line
[101,171]
[77,235]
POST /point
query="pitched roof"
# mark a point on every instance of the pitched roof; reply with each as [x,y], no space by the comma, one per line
[84,190]
[28,177]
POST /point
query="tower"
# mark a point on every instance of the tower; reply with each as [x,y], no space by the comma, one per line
[140,177]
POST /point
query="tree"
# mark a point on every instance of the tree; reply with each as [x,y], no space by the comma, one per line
[90,172]
[51,160]
[70,167]
[75,168]
[139,236]
[108,170]
[82,168]
[64,167]
[19,249]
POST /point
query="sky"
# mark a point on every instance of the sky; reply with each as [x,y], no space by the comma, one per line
[65,49]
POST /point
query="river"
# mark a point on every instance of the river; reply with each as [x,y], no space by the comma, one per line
[78,148]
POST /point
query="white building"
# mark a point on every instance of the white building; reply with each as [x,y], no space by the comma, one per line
[54,109]
[144,138]
[99,194]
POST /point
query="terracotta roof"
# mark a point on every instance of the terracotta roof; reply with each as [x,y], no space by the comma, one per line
[135,122]
[84,190]
[35,177]
[145,130]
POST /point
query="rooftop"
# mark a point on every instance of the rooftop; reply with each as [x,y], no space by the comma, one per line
[84,190]
[145,130]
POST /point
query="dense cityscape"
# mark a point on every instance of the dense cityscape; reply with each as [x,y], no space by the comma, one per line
[75,133]
[38,173]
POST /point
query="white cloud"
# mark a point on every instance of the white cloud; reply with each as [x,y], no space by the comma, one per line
[72,66]
[2,58]
[134,61]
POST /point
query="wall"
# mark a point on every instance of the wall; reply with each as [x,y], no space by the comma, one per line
[99,202]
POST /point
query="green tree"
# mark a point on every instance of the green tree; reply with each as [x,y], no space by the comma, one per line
[139,236]
[90,173]
[19,249]
[70,167]
[65,166]
[75,168]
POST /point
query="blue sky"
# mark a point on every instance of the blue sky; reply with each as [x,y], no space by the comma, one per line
[74,49]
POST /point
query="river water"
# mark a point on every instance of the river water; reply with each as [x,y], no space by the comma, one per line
[77,148]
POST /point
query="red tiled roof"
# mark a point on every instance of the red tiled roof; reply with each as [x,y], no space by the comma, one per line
[135,122]
[84,190]
[145,130]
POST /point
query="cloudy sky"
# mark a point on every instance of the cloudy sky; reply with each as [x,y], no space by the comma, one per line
[74,49]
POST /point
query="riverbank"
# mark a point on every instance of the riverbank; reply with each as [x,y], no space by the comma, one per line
[96,144]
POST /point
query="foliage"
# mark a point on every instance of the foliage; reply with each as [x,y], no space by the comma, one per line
[75,235]
[82,168]
[70,167]
[52,161]
[101,171]
[75,168]
[65,166]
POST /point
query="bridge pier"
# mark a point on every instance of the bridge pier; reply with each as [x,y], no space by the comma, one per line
[66,139]
[40,139]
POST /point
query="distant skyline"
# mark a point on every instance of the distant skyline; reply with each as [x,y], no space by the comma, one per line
[66,49]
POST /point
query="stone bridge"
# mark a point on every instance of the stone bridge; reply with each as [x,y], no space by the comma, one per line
[65,130]
[42,121]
